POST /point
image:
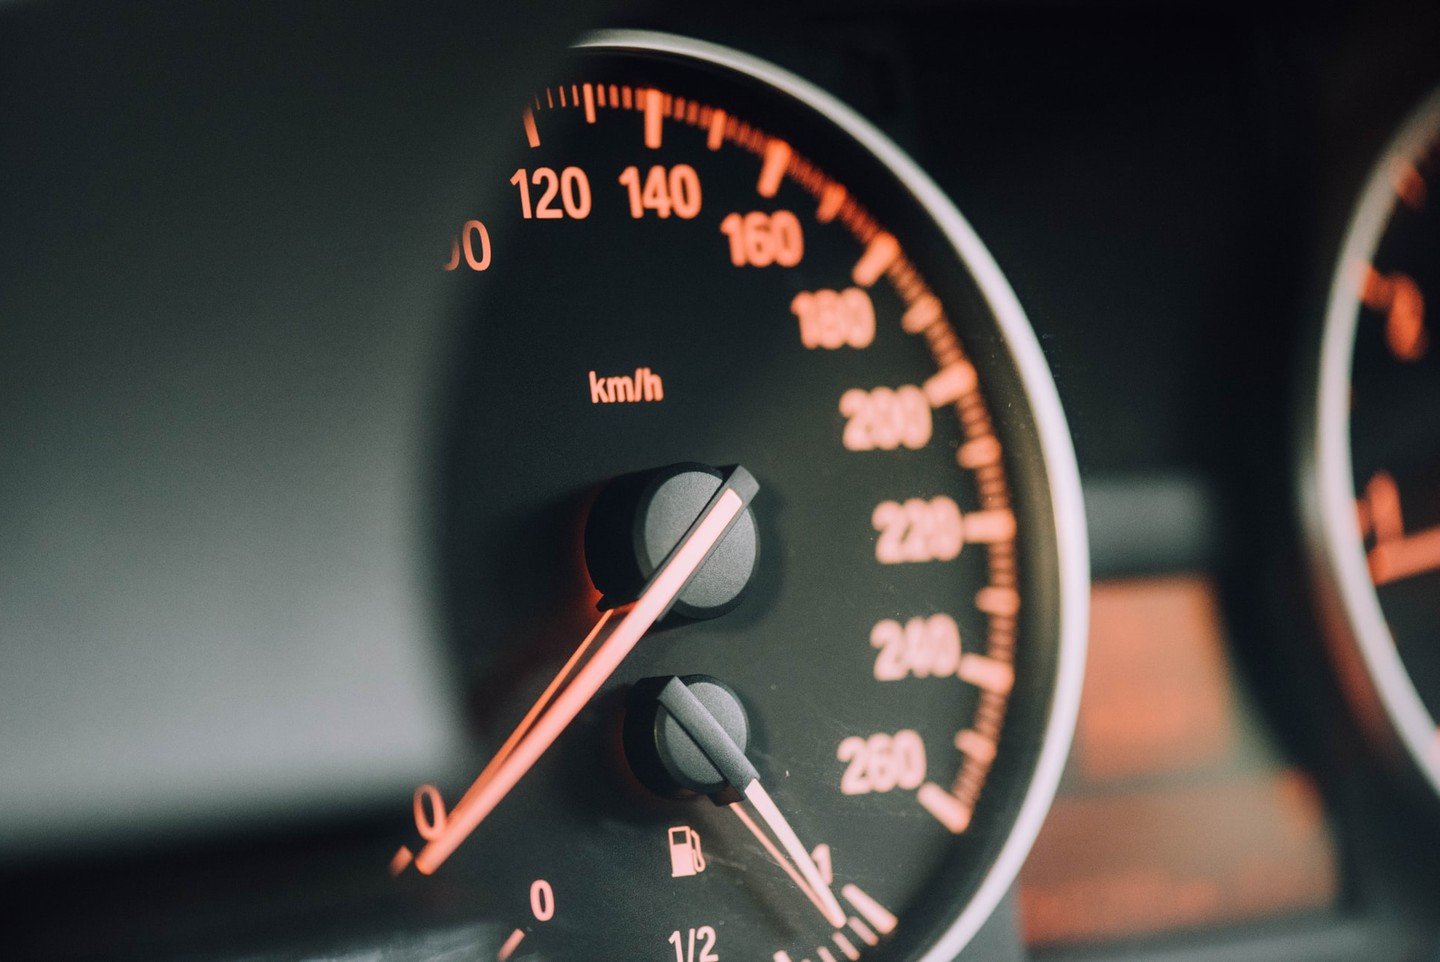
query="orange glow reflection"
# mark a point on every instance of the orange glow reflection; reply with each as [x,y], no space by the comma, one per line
[1173,814]
[1157,699]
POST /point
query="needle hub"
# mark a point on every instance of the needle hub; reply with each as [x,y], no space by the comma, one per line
[661,740]
[638,519]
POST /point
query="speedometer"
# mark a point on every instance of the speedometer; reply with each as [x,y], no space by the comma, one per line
[763,543]
[1372,481]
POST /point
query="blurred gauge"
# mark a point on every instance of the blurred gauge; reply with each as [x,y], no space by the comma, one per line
[1372,484]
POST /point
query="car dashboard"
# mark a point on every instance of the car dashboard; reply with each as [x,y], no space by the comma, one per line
[957,415]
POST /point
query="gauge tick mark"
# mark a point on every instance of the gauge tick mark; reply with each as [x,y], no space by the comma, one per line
[511,944]
[879,255]
[772,171]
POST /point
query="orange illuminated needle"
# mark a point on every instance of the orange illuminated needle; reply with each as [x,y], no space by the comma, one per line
[544,723]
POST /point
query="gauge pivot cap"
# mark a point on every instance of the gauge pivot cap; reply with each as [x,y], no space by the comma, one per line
[664,754]
[639,518]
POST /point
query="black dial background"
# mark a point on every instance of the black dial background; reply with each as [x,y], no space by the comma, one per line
[1395,427]
[611,294]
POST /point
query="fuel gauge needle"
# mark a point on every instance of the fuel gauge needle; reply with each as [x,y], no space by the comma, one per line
[712,739]
[542,725]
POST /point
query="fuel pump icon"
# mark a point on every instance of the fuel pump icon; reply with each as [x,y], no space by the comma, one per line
[686,856]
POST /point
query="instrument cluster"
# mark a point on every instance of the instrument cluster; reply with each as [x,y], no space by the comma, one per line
[913,482]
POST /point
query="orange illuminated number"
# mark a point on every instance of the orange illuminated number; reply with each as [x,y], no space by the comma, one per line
[918,530]
[759,239]
[832,319]
[684,191]
[474,242]
[542,900]
[429,812]
[884,419]
[575,189]
[1394,555]
[677,190]
[922,648]
[882,763]
[1399,297]
[522,181]
[1380,513]
[570,185]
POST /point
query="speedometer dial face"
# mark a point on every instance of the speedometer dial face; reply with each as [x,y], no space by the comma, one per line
[1377,441]
[761,524]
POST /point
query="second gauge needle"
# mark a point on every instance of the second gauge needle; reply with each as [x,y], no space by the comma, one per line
[540,729]
[712,739]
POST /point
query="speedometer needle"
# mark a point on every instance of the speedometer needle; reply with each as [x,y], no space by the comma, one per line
[717,745]
[540,728]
